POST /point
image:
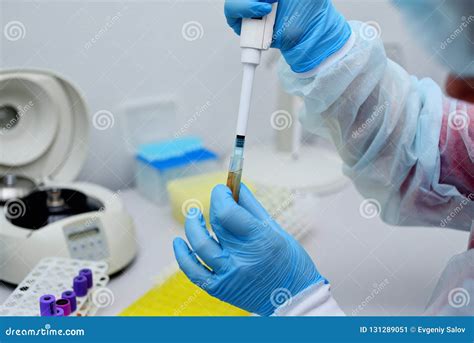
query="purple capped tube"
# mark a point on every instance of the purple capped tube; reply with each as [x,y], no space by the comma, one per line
[59,312]
[65,305]
[80,285]
[71,296]
[47,305]
[88,274]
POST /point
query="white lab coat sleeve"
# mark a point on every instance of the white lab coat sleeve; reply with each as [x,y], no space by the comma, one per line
[388,127]
[314,301]
[454,292]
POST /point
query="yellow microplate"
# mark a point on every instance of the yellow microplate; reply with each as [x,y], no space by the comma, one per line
[177,296]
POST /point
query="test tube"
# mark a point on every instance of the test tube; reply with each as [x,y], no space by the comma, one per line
[235,169]
[235,176]
[88,274]
[59,312]
[71,296]
[80,285]
[64,305]
[47,305]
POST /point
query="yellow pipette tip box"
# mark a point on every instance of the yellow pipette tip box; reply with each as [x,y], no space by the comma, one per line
[177,296]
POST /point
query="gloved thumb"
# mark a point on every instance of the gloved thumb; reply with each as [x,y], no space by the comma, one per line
[228,216]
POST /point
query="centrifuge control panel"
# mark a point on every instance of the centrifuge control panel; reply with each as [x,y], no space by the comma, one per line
[86,241]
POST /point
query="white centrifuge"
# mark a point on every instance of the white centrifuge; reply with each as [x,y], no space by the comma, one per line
[43,144]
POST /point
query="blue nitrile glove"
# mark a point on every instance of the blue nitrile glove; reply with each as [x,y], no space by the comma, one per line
[306,31]
[254,265]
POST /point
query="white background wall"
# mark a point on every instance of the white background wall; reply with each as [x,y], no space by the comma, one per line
[139,55]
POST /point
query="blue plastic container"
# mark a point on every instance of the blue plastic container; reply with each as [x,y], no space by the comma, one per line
[158,163]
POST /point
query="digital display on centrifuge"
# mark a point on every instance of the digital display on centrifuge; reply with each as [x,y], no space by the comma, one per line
[84,234]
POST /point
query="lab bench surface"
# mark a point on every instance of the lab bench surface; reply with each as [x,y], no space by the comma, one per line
[375,269]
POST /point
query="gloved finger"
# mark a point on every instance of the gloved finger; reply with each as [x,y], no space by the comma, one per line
[247,9]
[190,265]
[235,24]
[235,10]
[248,201]
[203,244]
[228,216]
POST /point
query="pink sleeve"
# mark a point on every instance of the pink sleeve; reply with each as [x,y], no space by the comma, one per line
[456,146]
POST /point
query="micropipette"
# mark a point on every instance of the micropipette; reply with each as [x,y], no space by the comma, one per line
[256,36]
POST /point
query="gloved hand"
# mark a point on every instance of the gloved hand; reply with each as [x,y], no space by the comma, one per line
[306,31]
[254,265]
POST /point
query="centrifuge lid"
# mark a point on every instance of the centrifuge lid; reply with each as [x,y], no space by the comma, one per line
[43,125]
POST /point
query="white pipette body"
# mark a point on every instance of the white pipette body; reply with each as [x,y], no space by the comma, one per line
[246,94]
[256,36]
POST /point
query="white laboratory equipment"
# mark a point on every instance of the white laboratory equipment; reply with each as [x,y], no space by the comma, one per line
[44,213]
[296,160]
[256,36]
